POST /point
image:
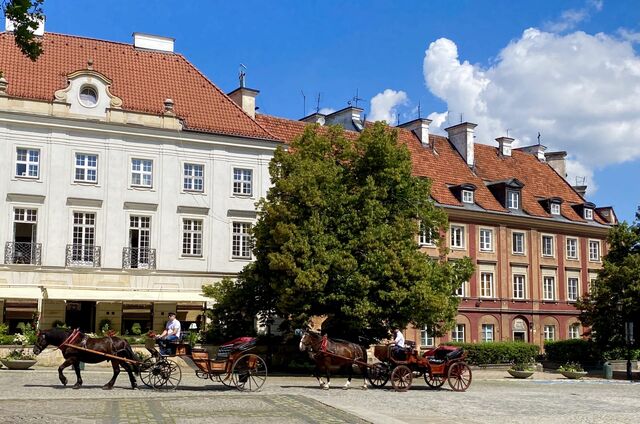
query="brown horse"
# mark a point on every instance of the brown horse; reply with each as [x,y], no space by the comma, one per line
[73,357]
[346,352]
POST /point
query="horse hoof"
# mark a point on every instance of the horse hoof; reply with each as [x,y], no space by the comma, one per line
[107,387]
[346,388]
[325,387]
[76,386]
[365,388]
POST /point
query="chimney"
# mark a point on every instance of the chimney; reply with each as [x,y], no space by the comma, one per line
[420,127]
[557,161]
[3,85]
[246,99]
[349,118]
[314,118]
[580,189]
[153,42]
[504,145]
[461,136]
[10,26]
[536,150]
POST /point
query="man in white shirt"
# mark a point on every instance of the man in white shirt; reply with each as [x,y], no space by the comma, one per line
[398,344]
[171,333]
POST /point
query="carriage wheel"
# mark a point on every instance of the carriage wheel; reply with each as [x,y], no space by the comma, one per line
[224,378]
[249,373]
[459,376]
[166,375]
[435,381]
[378,374]
[146,371]
[401,378]
[201,374]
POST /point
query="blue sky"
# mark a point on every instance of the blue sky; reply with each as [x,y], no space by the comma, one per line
[574,77]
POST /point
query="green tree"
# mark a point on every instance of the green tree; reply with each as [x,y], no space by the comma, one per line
[25,15]
[337,236]
[615,295]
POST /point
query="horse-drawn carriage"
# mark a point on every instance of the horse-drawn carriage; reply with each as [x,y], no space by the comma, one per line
[444,363]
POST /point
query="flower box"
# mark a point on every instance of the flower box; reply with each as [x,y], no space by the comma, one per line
[520,374]
[18,364]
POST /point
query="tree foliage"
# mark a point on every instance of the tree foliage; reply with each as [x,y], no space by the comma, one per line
[25,15]
[615,296]
[337,236]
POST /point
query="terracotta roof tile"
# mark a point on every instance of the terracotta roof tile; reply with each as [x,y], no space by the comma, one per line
[143,79]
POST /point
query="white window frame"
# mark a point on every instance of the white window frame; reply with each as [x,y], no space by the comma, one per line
[549,332]
[85,168]
[486,242]
[28,163]
[487,286]
[141,173]
[570,288]
[588,214]
[574,331]
[594,254]
[425,238]
[543,246]
[519,287]
[241,186]
[514,245]
[467,196]
[513,199]
[427,337]
[457,231]
[572,251]
[487,333]
[192,237]
[461,291]
[241,241]
[548,288]
[555,208]
[191,178]
[458,333]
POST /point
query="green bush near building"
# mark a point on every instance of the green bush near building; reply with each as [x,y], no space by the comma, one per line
[581,351]
[499,352]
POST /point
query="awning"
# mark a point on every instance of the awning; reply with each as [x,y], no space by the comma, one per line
[20,292]
[125,295]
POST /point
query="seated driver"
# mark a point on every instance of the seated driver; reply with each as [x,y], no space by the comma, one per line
[171,333]
[398,344]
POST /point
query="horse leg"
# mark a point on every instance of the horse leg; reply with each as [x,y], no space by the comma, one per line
[328,375]
[116,371]
[316,374]
[76,368]
[132,379]
[347,385]
[61,368]
[364,371]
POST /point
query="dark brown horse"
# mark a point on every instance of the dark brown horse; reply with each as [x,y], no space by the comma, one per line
[317,346]
[73,357]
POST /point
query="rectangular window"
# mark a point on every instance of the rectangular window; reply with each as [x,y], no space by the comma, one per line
[513,199]
[518,286]
[457,236]
[572,289]
[574,331]
[192,237]
[486,240]
[517,243]
[141,172]
[588,213]
[594,250]
[193,178]
[457,334]
[140,241]
[487,332]
[555,209]
[242,181]
[467,196]
[86,168]
[547,245]
[241,240]
[572,248]
[549,332]
[460,291]
[25,215]
[548,288]
[84,236]
[425,237]
[486,284]
[426,337]
[28,163]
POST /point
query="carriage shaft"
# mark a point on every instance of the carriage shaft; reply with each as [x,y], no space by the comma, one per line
[119,358]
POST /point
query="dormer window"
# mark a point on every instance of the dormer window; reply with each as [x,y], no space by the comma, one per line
[88,96]
[555,209]
[513,199]
[467,196]
[588,213]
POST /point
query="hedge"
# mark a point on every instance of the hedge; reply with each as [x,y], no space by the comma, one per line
[582,351]
[499,352]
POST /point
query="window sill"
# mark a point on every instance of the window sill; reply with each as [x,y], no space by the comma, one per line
[86,183]
[192,258]
[25,178]
[242,196]
[141,188]
[239,259]
[426,245]
[198,192]
[457,248]
[554,302]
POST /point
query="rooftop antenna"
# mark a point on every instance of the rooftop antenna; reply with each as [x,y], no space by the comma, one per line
[419,111]
[509,129]
[397,118]
[355,99]
[242,74]
[538,138]
[304,104]
[318,103]
[461,117]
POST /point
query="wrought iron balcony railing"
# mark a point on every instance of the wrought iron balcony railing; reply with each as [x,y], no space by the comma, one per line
[22,253]
[136,257]
[78,255]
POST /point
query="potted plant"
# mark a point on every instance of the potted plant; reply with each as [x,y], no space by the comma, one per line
[572,370]
[17,359]
[521,370]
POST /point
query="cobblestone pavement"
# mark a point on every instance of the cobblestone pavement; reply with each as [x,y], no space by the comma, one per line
[36,396]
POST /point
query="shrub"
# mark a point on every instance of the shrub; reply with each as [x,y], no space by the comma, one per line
[499,352]
[104,326]
[573,350]
[621,353]
[4,329]
[571,367]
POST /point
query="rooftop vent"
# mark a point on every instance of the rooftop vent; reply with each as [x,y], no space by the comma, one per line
[153,42]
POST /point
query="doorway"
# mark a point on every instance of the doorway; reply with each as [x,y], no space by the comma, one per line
[24,235]
[520,330]
[519,336]
[82,315]
[139,240]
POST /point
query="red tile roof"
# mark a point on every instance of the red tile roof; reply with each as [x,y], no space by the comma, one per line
[143,79]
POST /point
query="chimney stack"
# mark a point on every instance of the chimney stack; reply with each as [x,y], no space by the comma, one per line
[580,189]
[504,145]
[420,127]
[537,150]
[314,118]
[246,99]
[558,162]
[461,136]
[349,118]
[153,42]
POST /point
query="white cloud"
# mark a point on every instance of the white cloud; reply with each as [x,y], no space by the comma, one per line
[384,105]
[579,90]
[326,111]
[628,35]
[569,19]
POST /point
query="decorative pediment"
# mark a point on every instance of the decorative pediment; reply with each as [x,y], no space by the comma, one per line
[87,93]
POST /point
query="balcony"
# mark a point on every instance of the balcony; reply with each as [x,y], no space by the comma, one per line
[138,258]
[78,255]
[22,253]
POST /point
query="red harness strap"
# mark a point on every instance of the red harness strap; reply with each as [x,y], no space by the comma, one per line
[323,345]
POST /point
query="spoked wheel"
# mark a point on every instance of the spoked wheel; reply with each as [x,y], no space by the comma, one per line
[378,374]
[249,372]
[201,374]
[146,371]
[223,378]
[459,376]
[401,378]
[166,374]
[435,381]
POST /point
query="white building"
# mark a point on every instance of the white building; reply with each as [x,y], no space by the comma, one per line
[128,181]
